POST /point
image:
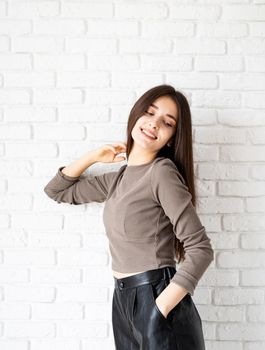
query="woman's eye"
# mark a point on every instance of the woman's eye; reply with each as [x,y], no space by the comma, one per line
[168,124]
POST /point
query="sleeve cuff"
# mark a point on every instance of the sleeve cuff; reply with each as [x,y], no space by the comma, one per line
[67,177]
[189,283]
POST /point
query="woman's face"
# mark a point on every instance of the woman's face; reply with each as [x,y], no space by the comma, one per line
[160,120]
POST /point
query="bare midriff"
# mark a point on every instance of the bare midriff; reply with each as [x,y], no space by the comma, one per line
[122,275]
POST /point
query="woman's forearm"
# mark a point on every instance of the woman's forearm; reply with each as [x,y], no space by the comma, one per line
[170,297]
[77,167]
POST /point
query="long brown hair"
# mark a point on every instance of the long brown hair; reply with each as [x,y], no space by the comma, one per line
[180,150]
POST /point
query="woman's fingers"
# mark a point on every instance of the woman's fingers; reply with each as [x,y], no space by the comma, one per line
[119,159]
[120,145]
[112,148]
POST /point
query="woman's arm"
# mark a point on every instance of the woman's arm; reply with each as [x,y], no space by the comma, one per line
[175,199]
[69,186]
[170,297]
[77,167]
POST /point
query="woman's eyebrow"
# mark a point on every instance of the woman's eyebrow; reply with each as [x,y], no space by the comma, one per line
[169,115]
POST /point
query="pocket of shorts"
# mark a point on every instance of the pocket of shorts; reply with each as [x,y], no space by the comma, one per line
[158,310]
[156,289]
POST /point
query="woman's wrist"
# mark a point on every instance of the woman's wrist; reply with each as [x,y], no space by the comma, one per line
[77,167]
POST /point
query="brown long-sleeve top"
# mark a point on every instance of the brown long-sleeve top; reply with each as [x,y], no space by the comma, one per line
[145,206]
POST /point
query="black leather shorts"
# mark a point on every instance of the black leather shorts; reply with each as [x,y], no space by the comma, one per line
[138,323]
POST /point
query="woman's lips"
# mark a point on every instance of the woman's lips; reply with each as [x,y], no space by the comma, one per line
[148,137]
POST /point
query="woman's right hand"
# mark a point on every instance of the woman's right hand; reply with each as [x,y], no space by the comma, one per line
[108,153]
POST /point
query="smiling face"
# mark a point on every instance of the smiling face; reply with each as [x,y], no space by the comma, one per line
[159,120]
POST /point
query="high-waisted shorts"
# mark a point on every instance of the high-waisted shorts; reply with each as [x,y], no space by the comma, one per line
[137,322]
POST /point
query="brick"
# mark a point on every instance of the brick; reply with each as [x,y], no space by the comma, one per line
[29,329]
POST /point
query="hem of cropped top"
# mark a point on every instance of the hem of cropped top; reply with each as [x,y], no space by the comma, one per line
[176,278]
[144,268]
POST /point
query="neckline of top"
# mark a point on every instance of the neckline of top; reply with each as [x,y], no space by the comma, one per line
[140,165]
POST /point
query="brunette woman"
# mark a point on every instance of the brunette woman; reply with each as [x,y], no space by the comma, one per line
[150,220]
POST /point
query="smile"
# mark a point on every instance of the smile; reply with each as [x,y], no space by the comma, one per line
[147,135]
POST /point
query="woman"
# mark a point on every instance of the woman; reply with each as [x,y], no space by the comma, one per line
[150,219]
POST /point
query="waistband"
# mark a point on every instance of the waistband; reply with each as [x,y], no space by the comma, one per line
[145,277]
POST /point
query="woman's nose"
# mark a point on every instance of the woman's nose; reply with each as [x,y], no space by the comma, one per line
[153,124]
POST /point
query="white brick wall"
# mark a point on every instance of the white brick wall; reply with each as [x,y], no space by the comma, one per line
[70,72]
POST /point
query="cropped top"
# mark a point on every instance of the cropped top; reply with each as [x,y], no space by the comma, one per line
[145,206]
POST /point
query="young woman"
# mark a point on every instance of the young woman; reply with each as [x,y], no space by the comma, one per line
[150,219]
